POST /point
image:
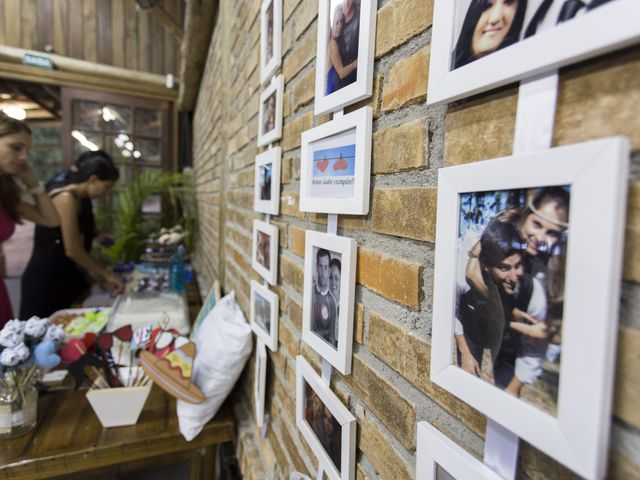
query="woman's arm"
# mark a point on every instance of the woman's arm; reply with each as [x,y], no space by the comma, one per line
[67,206]
[336,60]
[43,213]
[473,272]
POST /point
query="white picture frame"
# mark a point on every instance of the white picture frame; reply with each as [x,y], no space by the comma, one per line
[573,41]
[260,383]
[334,343]
[434,449]
[362,86]
[305,374]
[270,114]
[578,434]
[267,164]
[342,139]
[268,65]
[264,256]
[267,333]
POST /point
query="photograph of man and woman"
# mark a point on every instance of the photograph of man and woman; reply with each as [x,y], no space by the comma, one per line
[269,49]
[263,250]
[324,425]
[486,26]
[333,166]
[510,271]
[325,298]
[269,118]
[342,50]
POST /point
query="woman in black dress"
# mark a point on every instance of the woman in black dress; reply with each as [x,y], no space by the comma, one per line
[60,261]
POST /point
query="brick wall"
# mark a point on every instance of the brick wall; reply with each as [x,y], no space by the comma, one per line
[389,389]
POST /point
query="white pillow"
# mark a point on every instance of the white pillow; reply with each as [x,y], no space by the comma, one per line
[223,346]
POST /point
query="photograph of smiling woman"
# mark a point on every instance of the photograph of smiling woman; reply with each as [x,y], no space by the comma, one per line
[488,26]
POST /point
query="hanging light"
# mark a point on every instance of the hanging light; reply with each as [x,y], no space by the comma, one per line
[14,111]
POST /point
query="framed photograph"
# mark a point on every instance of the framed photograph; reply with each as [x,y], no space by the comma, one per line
[335,165]
[482,44]
[527,293]
[260,384]
[344,67]
[440,458]
[329,297]
[270,38]
[264,314]
[264,258]
[325,423]
[270,116]
[266,194]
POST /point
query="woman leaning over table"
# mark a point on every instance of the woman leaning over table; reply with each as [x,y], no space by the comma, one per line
[15,141]
[55,275]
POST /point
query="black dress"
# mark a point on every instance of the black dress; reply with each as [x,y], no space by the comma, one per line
[52,281]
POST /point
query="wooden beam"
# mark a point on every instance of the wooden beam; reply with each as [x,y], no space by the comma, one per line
[35,100]
[167,20]
[86,81]
[199,22]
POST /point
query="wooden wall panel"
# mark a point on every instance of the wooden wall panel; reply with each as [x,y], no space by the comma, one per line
[111,32]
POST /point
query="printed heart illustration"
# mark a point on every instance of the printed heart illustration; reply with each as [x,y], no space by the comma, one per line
[322,166]
[341,164]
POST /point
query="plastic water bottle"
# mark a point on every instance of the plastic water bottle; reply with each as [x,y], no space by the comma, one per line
[176,273]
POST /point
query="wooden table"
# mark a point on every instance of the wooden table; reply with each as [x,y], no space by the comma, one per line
[69,441]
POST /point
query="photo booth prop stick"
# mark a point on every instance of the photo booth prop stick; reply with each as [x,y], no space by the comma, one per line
[173,372]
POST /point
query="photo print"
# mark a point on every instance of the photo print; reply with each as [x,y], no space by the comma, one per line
[266,198]
[478,45]
[342,47]
[486,26]
[270,113]
[263,315]
[324,425]
[524,293]
[264,257]
[325,300]
[333,167]
[270,38]
[512,248]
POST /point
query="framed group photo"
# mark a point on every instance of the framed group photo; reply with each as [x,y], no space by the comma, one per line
[270,114]
[482,44]
[266,197]
[325,423]
[264,314]
[329,296]
[345,52]
[264,255]
[270,38]
[260,384]
[440,458]
[335,165]
[524,315]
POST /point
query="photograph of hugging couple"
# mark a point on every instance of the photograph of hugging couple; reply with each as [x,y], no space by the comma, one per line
[510,276]
[485,26]
[342,49]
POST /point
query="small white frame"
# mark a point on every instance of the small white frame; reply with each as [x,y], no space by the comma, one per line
[267,68]
[362,87]
[360,121]
[579,39]
[275,87]
[578,435]
[271,274]
[340,358]
[436,449]
[260,382]
[272,156]
[306,374]
[269,338]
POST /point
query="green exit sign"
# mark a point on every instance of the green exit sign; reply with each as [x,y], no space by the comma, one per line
[37,61]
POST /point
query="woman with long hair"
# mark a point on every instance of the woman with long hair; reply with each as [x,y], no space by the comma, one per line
[488,26]
[337,69]
[15,141]
[55,276]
